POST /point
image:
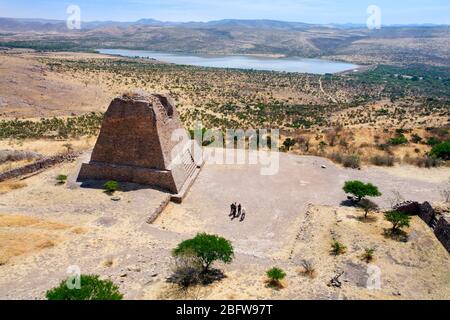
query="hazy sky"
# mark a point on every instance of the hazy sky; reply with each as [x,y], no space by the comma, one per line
[312,11]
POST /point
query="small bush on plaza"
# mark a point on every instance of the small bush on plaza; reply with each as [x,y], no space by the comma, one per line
[61,179]
[91,288]
[111,187]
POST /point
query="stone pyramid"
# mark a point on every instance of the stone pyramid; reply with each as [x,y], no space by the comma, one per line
[136,144]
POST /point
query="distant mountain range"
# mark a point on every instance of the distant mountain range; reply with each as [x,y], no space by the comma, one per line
[401,44]
[44,25]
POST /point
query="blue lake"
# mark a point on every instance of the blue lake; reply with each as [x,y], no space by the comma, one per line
[291,64]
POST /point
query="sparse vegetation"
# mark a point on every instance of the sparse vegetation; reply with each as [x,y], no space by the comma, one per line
[352,161]
[337,248]
[52,128]
[187,270]
[308,268]
[369,255]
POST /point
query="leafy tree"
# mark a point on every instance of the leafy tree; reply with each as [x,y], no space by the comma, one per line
[275,275]
[441,151]
[92,288]
[361,190]
[208,248]
[111,186]
[398,219]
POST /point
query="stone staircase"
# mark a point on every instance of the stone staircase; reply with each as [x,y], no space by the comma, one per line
[188,163]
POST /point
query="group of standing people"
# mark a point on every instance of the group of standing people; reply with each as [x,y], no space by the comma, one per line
[237,211]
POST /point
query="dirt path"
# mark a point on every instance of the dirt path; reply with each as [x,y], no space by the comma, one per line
[326,94]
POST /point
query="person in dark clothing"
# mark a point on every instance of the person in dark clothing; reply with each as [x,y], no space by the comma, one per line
[239,210]
[243,214]
[233,210]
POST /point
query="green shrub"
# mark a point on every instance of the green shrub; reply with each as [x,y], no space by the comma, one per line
[361,190]
[399,140]
[111,187]
[398,219]
[441,151]
[275,275]
[338,248]
[208,248]
[369,254]
[289,143]
[92,288]
[433,141]
[61,179]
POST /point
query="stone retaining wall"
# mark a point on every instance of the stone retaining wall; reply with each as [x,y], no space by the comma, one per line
[37,166]
[442,232]
[155,214]
[440,223]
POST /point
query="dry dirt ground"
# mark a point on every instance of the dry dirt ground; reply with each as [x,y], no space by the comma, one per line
[29,89]
[291,216]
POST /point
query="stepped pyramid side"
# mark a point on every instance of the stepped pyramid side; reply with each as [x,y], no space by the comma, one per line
[136,145]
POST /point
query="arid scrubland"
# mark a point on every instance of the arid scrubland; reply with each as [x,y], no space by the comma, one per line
[381,116]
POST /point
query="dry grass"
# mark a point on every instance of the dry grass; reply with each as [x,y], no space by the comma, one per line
[19,221]
[17,243]
[20,235]
[7,166]
[8,186]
